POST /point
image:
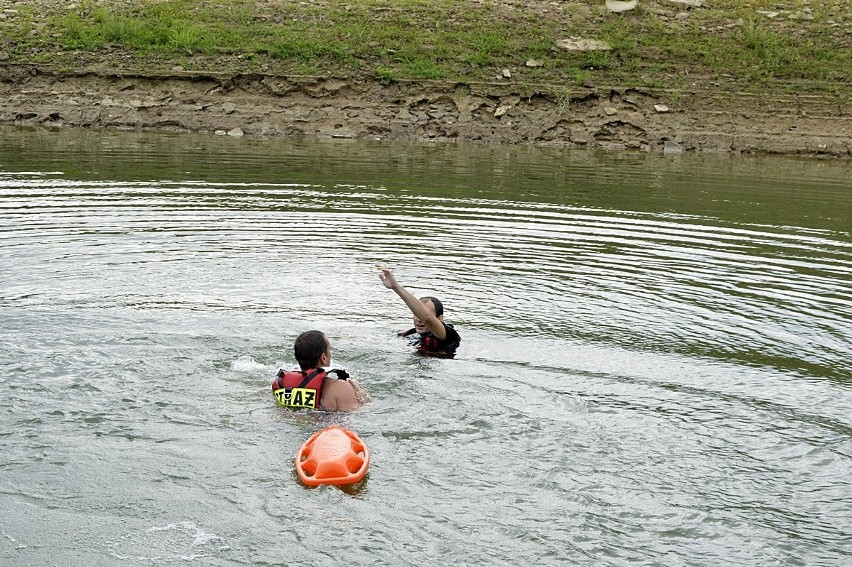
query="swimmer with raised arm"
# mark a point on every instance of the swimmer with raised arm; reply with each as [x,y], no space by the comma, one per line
[430,333]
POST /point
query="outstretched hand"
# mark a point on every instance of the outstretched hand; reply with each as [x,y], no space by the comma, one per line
[421,313]
[387,277]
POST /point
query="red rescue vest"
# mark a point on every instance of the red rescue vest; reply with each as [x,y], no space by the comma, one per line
[302,389]
[428,343]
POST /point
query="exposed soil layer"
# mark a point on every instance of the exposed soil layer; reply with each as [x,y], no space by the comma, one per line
[270,105]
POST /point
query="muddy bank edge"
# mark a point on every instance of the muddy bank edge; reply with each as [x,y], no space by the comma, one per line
[602,117]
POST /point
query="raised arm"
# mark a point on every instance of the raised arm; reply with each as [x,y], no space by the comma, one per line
[419,309]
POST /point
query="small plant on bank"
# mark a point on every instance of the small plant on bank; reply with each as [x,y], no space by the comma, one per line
[186,38]
[384,75]
[598,60]
[582,77]
[768,47]
[563,101]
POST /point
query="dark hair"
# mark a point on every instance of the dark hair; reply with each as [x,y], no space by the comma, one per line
[439,307]
[309,347]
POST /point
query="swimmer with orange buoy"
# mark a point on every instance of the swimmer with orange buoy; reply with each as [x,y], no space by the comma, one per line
[333,455]
[336,455]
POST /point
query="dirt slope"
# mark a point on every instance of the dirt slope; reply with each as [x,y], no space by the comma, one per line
[270,105]
[110,90]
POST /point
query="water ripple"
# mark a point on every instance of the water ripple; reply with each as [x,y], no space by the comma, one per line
[656,354]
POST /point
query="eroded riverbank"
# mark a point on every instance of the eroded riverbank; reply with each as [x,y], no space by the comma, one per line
[259,104]
[669,75]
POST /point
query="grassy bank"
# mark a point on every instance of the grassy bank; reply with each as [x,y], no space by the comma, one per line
[790,46]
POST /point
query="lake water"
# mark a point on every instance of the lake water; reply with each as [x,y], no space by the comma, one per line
[655,367]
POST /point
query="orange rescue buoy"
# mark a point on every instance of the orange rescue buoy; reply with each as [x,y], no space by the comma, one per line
[333,455]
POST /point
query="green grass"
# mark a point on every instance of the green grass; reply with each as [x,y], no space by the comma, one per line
[563,101]
[447,40]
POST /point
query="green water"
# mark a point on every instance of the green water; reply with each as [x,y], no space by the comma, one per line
[655,360]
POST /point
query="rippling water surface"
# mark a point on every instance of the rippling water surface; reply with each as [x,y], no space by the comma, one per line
[655,368]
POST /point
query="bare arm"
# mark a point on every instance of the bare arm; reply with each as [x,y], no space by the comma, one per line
[339,395]
[417,307]
[360,393]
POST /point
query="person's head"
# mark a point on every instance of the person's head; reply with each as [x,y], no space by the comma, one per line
[312,349]
[435,306]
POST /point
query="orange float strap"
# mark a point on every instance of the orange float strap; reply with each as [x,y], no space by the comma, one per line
[333,455]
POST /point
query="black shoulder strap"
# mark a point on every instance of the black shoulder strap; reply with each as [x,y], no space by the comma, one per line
[341,374]
[278,378]
[310,376]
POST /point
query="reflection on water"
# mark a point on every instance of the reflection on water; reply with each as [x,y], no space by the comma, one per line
[655,363]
